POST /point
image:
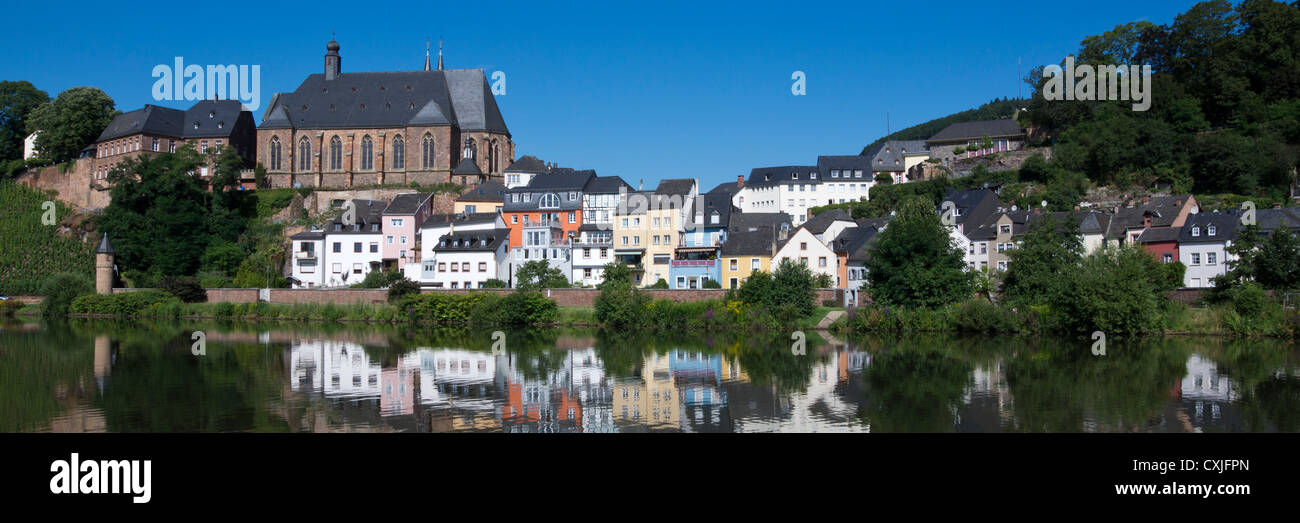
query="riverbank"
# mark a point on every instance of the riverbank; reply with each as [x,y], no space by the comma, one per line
[982,317]
[471,308]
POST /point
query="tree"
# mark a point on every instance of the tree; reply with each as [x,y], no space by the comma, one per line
[914,262]
[615,275]
[493,283]
[1114,290]
[158,215]
[1273,261]
[17,101]
[71,122]
[59,290]
[1050,248]
[538,274]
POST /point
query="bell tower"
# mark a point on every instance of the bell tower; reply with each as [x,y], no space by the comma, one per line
[333,62]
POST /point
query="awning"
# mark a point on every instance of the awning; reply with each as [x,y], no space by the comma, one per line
[629,251]
[696,249]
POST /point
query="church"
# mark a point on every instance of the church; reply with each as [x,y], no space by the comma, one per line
[343,129]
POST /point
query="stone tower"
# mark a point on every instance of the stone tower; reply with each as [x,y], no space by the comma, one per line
[104,258]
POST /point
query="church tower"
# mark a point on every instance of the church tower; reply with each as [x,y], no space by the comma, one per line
[333,62]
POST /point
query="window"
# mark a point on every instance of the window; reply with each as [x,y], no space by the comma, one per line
[654,239]
[1002,266]
[304,154]
[374,246]
[356,268]
[367,153]
[573,217]
[1210,230]
[428,152]
[1211,258]
[1168,258]
[356,246]
[1005,228]
[464,266]
[548,201]
[1196,231]
[403,239]
[803,260]
[1196,258]
[803,246]
[338,246]
[336,154]
[514,218]
[455,267]
[389,239]
[442,267]
[399,152]
[681,282]
[155,144]
[753,264]
[586,273]
[821,261]
[336,267]
[274,155]
[734,264]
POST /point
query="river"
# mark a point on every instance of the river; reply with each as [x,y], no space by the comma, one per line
[181,376]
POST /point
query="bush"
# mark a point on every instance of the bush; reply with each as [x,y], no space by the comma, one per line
[711,284]
[400,288]
[981,316]
[661,284]
[493,283]
[186,288]
[138,303]
[518,308]
[380,279]
[59,291]
[621,306]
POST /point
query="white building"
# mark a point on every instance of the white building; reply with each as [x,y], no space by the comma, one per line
[803,247]
[1203,246]
[593,249]
[468,259]
[439,225]
[307,259]
[795,189]
[542,240]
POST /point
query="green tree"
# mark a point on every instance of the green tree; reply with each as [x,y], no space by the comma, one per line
[1114,290]
[158,216]
[1051,247]
[59,290]
[914,262]
[71,122]
[17,101]
[615,275]
[538,274]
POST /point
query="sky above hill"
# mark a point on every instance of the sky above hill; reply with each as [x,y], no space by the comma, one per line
[649,91]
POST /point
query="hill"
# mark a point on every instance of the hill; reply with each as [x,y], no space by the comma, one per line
[996,109]
[31,251]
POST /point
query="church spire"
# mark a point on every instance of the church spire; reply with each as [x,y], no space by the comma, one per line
[439,53]
[426,54]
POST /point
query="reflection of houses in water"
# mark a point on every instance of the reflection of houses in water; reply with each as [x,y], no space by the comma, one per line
[827,403]
[698,377]
[460,386]
[593,390]
[1205,397]
[335,368]
[538,404]
[647,402]
[987,400]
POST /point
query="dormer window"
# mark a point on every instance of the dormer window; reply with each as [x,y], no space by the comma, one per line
[212,114]
[1196,231]
[549,201]
[1210,230]
[794,176]
[196,125]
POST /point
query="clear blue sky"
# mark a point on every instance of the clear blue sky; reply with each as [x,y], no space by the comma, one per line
[664,89]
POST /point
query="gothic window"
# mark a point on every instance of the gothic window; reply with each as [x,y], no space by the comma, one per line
[367,153]
[336,154]
[275,152]
[428,151]
[304,154]
[399,152]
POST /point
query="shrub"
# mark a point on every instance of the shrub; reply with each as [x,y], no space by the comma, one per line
[380,279]
[711,284]
[518,308]
[60,290]
[621,306]
[186,288]
[400,288]
[981,316]
[138,303]
[661,284]
[493,283]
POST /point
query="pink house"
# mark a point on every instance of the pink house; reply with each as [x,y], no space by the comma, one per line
[401,229]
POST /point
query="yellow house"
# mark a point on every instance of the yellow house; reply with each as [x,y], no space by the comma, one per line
[745,252]
[631,234]
[668,208]
[650,400]
[485,197]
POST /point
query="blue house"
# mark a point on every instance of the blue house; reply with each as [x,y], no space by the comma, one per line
[696,258]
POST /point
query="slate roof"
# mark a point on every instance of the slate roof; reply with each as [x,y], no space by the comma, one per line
[472,241]
[675,187]
[309,235]
[205,119]
[558,182]
[728,188]
[407,203]
[458,97]
[1271,219]
[438,220]
[467,166]
[744,221]
[488,191]
[964,131]
[368,212]
[606,185]
[1163,209]
[889,156]
[973,206]
[104,246]
[761,176]
[1159,234]
[851,163]
[750,243]
[528,164]
[819,223]
[707,204]
[1225,224]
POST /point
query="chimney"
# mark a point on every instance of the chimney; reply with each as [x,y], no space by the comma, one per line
[740,181]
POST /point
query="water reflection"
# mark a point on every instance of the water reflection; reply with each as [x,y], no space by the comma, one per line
[125,377]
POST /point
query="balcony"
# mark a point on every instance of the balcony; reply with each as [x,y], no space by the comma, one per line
[305,255]
[693,263]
